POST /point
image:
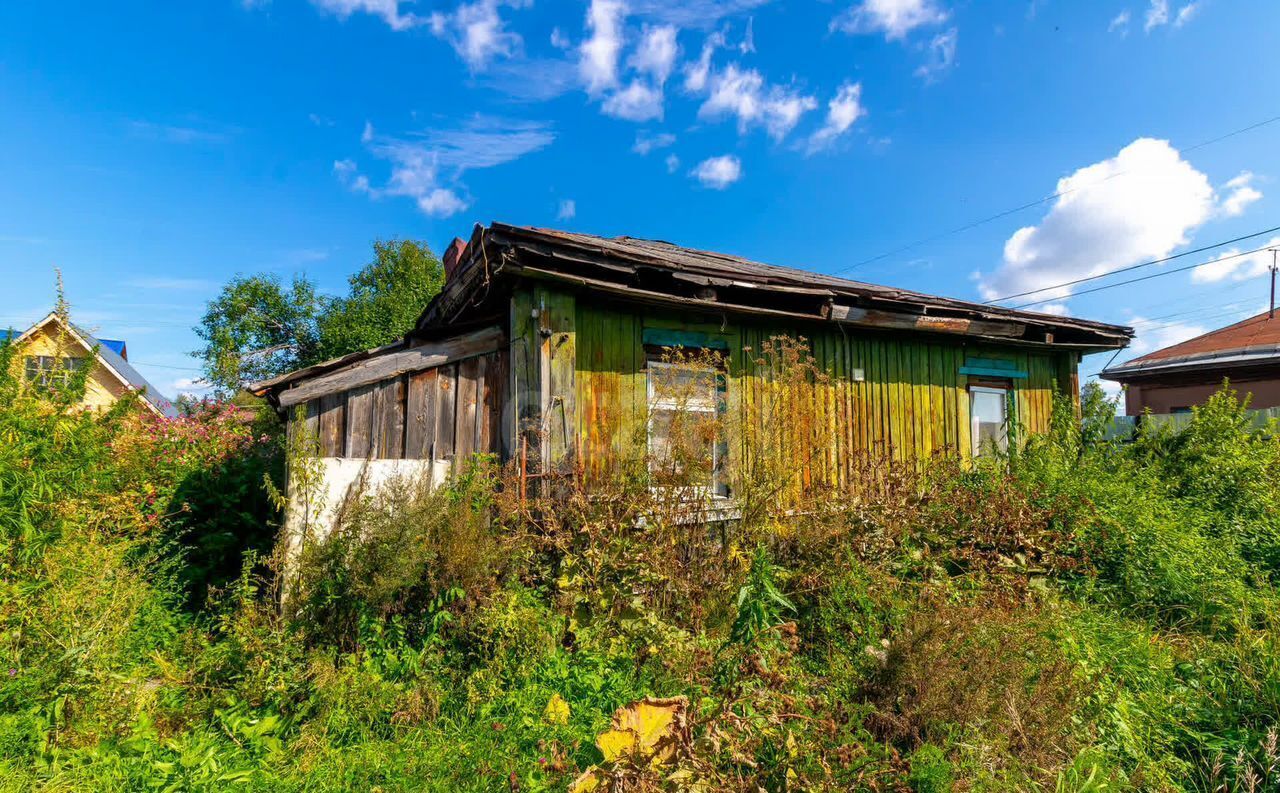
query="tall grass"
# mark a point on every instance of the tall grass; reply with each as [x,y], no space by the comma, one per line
[1083,616]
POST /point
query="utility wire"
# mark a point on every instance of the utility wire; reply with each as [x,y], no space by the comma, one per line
[1146,277]
[167,366]
[1037,202]
[1135,266]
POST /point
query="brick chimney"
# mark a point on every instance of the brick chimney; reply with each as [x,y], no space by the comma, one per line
[453,257]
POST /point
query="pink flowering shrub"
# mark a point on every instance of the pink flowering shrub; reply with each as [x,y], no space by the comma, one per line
[198,480]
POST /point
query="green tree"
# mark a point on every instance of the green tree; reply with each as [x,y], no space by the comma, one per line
[258,328]
[385,298]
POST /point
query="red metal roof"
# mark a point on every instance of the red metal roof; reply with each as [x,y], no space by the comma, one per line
[1252,332]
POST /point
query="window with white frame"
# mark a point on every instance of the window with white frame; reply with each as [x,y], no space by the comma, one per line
[51,371]
[684,399]
[989,419]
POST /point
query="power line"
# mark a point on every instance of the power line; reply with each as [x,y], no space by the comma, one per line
[1146,277]
[1037,202]
[168,366]
[1136,266]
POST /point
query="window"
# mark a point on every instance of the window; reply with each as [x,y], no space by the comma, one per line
[684,399]
[989,419]
[51,371]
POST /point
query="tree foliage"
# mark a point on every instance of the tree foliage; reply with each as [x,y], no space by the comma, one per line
[259,327]
[385,298]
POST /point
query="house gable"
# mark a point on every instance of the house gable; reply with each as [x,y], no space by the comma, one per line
[111,377]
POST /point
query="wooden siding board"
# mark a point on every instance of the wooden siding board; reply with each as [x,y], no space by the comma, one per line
[388,419]
[495,377]
[360,421]
[464,438]
[937,395]
[420,415]
[333,424]
[446,416]
[557,321]
[526,375]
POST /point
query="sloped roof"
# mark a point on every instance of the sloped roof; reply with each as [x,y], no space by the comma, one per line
[123,370]
[1250,342]
[652,269]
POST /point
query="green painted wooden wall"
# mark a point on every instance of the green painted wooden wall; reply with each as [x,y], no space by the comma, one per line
[911,402]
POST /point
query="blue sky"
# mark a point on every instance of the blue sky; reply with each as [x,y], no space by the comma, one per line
[153,150]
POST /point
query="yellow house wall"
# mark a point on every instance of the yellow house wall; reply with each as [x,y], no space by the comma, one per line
[102,389]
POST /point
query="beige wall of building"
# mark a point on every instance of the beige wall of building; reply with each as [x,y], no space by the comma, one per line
[103,387]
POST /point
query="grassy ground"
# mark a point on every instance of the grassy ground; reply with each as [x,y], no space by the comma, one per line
[1077,617]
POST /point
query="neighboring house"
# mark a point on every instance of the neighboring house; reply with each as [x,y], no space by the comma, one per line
[542,345]
[1173,379]
[53,348]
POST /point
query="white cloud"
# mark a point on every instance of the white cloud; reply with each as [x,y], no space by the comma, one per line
[531,79]
[194,387]
[1120,22]
[696,14]
[387,10]
[894,18]
[1055,309]
[673,163]
[842,111]
[319,120]
[656,53]
[1157,15]
[1185,13]
[743,93]
[598,55]
[1230,265]
[718,173]
[1241,193]
[477,32]
[646,142]
[941,55]
[639,101]
[568,209]
[748,44]
[559,40]
[1139,205]
[696,72]
[426,167]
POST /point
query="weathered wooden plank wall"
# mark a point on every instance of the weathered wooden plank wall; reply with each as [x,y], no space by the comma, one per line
[895,397]
[573,384]
[444,413]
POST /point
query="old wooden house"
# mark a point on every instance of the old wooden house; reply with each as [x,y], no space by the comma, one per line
[544,344]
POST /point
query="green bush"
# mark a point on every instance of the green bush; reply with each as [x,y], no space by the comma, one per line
[1082,616]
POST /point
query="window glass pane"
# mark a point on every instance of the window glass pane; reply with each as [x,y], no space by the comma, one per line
[683,440]
[48,370]
[988,411]
[675,385]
